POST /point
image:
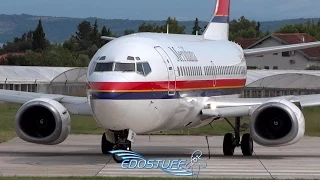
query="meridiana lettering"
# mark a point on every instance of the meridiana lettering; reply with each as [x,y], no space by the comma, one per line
[183,55]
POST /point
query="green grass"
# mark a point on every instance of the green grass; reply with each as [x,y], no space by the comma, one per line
[87,125]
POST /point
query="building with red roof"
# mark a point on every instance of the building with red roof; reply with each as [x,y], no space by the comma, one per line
[293,60]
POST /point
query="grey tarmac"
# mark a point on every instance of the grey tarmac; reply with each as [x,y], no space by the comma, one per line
[80,155]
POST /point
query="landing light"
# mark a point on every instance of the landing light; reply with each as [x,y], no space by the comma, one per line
[211,106]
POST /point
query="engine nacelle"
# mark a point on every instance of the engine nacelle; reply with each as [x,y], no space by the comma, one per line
[43,121]
[277,123]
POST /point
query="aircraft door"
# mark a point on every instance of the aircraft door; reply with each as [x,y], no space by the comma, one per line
[170,70]
[214,74]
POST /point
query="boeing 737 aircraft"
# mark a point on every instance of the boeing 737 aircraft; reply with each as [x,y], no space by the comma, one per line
[151,82]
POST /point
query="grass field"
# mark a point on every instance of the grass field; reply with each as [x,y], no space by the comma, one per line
[87,125]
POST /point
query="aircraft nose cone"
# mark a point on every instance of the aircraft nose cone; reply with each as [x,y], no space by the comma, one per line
[107,104]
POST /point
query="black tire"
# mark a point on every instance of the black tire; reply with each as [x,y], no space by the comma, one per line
[228,147]
[117,159]
[106,146]
[247,145]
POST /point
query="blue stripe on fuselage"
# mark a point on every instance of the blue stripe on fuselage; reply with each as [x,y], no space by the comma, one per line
[164,94]
[221,19]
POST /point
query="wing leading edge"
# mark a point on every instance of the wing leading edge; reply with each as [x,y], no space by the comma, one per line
[75,105]
[277,49]
[233,107]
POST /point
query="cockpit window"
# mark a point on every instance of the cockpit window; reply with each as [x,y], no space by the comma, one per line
[102,58]
[146,68]
[101,67]
[130,58]
[143,68]
[124,67]
[140,68]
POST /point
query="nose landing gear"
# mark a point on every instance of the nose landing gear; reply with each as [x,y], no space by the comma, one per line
[121,143]
[230,141]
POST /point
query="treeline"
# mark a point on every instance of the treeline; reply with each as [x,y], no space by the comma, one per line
[80,47]
[311,27]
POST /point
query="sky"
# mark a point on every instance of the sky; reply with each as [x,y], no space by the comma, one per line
[260,10]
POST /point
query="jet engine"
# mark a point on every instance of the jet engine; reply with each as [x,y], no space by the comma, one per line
[277,123]
[42,121]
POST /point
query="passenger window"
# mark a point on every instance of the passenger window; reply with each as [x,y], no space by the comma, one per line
[146,68]
[101,67]
[179,71]
[125,67]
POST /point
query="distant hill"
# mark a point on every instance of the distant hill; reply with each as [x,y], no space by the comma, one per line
[58,29]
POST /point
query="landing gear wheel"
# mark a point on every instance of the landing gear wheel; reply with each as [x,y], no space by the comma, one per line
[117,159]
[228,147]
[247,145]
[106,146]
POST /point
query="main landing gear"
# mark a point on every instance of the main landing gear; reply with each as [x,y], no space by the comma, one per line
[121,143]
[230,141]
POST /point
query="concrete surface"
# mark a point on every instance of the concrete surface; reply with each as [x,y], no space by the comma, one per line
[80,155]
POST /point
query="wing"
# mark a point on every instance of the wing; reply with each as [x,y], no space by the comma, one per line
[233,107]
[275,49]
[75,105]
[108,38]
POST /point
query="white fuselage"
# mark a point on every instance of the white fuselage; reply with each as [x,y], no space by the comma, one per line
[152,82]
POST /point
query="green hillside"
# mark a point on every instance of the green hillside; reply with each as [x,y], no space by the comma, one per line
[58,29]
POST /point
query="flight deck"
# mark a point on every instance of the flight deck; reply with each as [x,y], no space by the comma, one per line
[80,155]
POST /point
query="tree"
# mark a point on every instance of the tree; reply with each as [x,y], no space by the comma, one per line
[128,31]
[288,28]
[95,35]
[1,50]
[106,32]
[19,44]
[147,27]
[39,42]
[308,27]
[243,28]
[267,33]
[174,27]
[196,27]
[258,29]
[318,23]
[71,44]
[83,35]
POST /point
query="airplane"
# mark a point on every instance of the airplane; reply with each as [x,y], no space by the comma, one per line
[150,82]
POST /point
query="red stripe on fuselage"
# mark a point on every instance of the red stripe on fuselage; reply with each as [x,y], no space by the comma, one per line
[223,8]
[163,85]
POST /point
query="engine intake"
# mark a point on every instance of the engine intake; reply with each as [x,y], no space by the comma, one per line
[277,122]
[42,121]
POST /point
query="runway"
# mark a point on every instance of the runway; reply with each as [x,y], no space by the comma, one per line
[80,155]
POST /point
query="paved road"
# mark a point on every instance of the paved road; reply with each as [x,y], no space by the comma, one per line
[80,155]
